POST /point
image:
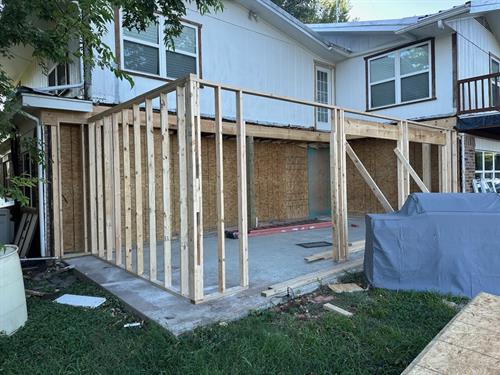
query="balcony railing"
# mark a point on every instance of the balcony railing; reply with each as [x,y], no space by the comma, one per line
[479,94]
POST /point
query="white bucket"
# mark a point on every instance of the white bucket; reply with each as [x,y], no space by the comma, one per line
[13,313]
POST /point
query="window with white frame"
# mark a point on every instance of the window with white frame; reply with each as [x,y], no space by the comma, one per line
[146,52]
[322,94]
[58,76]
[401,76]
[487,164]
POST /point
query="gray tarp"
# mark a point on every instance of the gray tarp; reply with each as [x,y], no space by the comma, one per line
[442,242]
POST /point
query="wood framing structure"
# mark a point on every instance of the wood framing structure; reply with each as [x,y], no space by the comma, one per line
[130,193]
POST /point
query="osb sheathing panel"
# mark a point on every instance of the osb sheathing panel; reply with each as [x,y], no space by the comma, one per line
[379,158]
[280,183]
[71,183]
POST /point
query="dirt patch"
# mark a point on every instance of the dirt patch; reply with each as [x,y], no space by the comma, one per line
[45,279]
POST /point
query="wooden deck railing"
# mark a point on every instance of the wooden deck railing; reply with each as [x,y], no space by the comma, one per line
[479,94]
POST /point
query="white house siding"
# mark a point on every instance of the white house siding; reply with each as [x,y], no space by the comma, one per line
[36,77]
[474,43]
[239,51]
[351,86]
[357,42]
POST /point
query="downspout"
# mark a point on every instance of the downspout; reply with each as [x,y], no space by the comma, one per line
[41,186]
[462,161]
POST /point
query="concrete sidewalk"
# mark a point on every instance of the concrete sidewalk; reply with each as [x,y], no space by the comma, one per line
[272,259]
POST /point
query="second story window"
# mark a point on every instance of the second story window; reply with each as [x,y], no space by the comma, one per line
[58,76]
[141,50]
[145,52]
[400,76]
[184,59]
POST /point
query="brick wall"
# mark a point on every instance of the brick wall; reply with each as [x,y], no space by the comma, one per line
[470,163]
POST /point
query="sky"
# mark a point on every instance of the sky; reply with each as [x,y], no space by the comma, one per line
[367,10]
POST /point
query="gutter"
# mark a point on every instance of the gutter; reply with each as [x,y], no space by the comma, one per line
[436,17]
[462,159]
[384,46]
[41,185]
[303,28]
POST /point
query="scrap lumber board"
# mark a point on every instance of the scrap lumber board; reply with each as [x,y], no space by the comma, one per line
[353,246]
[310,278]
[468,344]
[336,309]
[345,288]
[281,229]
[26,231]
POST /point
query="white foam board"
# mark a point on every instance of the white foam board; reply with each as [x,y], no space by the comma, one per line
[80,301]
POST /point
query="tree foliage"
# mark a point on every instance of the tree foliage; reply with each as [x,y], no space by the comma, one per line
[317,11]
[59,31]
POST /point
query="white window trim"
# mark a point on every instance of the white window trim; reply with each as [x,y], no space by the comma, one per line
[54,69]
[162,63]
[398,76]
[329,71]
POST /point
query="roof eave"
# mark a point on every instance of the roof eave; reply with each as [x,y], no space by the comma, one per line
[298,26]
[434,18]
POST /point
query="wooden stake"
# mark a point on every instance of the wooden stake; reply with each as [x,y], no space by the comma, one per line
[199,188]
[181,139]
[444,180]
[117,192]
[59,182]
[100,190]
[403,175]
[334,185]
[92,188]
[342,188]
[127,190]
[84,189]
[219,156]
[427,165]
[242,190]
[406,153]
[368,179]
[167,211]
[138,189]
[454,161]
[54,146]
[252,213]
[194,202]
[108,186]
[151,189]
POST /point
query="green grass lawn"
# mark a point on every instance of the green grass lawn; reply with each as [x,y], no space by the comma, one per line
[386,332]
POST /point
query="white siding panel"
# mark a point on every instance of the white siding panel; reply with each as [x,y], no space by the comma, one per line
[36,77]
[474,42]
[351,86]
[240,51]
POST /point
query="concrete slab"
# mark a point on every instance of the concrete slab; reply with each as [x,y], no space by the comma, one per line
[272,259]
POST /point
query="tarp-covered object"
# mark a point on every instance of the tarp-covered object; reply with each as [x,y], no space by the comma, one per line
[438,241]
